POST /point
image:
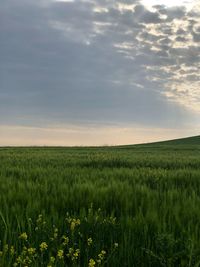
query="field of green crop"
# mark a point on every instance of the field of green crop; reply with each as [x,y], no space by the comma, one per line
[109,206]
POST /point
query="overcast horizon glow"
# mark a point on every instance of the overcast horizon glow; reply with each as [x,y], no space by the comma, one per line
[92,72]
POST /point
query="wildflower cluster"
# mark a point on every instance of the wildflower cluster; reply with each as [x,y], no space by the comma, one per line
[100,260]
[43,246]
[101,256]
[73,254]
[40,223]
[65,241]
[60,254]
[26,257]
[51,261]
[97,216]
[55,235]
[51,246]
[89,241]
[23,236]
[92,263]
[73,223]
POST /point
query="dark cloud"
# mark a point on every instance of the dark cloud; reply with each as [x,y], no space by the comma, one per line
[181,39]
[175,13]
[145,16]
[196,36]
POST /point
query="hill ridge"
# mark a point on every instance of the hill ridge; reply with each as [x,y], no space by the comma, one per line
[191,140]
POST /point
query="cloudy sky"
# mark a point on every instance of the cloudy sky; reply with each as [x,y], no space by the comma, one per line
[92,72]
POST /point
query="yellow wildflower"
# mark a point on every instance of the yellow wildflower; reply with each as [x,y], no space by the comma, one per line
[72,225]
[76,254]
[39,220]
[65,240]
[55,235]
[89,241]
[116,245]
[92,263]
[60,254]
[43,246]
[12,250]
[52,259]
[19,259]
[31,251]
[101,256]
[71,250]
[24,249]
[70,253]
[23,236]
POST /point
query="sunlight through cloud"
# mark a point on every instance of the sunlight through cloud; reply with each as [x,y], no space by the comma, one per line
[188,4]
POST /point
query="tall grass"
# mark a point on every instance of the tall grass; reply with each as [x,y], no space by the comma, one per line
[149,197]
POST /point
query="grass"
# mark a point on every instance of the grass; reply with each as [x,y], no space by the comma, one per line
[145,198]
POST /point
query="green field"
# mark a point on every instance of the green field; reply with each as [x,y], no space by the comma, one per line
[108,206]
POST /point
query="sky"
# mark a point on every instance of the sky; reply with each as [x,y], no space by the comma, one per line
[98,72]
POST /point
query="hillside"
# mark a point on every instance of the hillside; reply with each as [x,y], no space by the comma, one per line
[188,143]
[182,143]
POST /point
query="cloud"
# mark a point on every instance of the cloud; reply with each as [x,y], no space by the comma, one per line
[98,61]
